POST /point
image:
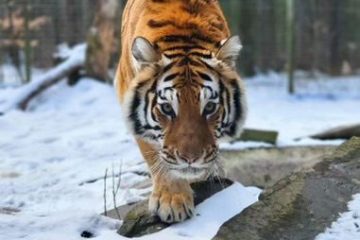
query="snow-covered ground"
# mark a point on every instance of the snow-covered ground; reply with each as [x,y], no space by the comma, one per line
[53,158]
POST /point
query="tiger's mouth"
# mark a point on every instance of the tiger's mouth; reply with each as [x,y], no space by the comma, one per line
[190,169]
[190,173]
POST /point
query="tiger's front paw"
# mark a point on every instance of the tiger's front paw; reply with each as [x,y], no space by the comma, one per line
[172,204]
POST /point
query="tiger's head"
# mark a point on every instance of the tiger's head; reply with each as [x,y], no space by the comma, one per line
[184,101]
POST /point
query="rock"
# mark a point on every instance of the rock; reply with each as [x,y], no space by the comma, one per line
[138,222]
[303,204]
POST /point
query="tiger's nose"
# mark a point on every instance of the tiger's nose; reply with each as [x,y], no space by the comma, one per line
[190,157]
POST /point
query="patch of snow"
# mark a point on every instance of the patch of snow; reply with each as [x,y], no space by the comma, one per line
[211,214]
[347,227]
[67,140]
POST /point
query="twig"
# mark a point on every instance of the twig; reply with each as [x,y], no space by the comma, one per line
[115,188]
[105,178]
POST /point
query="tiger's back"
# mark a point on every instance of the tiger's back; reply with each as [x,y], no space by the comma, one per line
[168,25]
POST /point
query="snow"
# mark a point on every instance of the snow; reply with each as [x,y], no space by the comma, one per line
[53,157]
[347,227]
[211,214]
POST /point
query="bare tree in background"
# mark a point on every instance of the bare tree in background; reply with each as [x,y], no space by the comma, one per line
[101,39]
[17,26]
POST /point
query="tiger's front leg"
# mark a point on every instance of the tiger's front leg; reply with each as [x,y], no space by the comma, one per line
[171,199]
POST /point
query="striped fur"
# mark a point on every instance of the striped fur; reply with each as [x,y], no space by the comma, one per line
[180,93]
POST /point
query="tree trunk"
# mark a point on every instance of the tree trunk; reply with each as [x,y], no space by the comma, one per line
[291,44]
[27,47]
[101,40]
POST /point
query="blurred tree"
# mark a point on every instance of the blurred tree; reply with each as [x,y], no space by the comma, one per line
[101,40]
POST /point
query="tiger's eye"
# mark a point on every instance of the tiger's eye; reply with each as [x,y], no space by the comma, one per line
[167,109]
[210,108]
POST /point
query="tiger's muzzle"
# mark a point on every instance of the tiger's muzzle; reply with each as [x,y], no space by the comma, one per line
[190,166]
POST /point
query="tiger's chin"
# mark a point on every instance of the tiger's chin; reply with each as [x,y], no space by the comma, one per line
[190,173]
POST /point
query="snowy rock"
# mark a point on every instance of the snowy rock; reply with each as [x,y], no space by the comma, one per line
[139,222]
[303,204]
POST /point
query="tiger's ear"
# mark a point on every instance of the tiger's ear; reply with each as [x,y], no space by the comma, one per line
[230,50]
[143,52]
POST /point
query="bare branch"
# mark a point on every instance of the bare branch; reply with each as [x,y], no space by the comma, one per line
[115,188]
[105,179]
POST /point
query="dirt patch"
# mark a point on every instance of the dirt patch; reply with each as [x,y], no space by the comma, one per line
[265,166]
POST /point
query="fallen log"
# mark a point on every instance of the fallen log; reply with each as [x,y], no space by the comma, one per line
[28,92]
[342,132]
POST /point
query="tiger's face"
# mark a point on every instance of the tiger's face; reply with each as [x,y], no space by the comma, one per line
[184,103]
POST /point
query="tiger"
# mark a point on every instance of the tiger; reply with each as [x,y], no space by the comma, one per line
[180,94]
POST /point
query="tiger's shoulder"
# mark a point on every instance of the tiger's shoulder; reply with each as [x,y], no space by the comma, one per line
[201,21]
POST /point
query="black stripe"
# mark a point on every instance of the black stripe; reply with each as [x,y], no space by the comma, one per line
[171,77]
[202,55]
[134,114]
[169,66]
[195,63]
[148,127]
[214,95]
[161,97]
[203,38]
[186,61]
[168,89]
[237,107]
[174,55]
[187,38]
[208,66]
[204,76]
[146,105]
[147,97]
[153,103]
[159,24]
[177,38]
[185,48]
